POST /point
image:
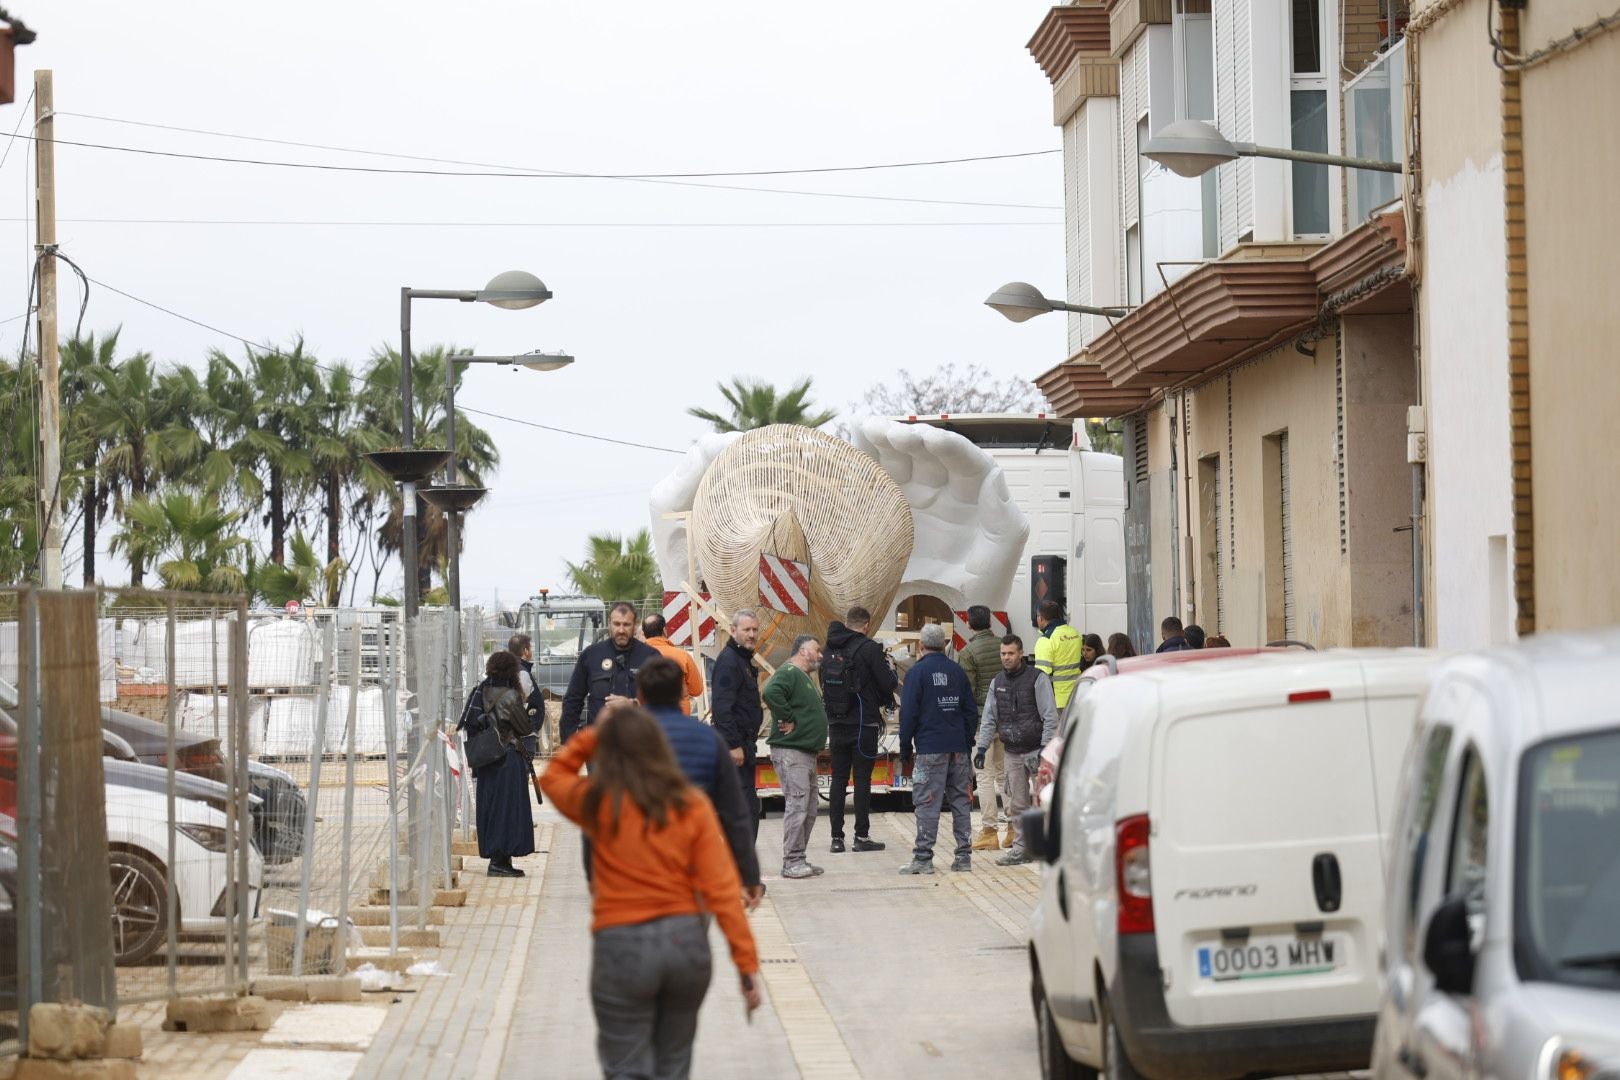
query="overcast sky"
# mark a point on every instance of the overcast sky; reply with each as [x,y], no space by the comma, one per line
[661,290]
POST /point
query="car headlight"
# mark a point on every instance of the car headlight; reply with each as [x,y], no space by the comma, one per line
[211,837]
[1560,1062]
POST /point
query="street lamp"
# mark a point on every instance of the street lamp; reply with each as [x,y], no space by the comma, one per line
[453,497]
[1021,301]
[1193,147]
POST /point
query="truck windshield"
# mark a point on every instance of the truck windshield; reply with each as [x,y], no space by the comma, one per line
[1568,873]
[565,633]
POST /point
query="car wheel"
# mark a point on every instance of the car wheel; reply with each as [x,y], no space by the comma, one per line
[1116,1062]
[140,907]
[1056,1064]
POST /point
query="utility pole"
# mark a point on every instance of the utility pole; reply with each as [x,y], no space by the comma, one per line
[50,367]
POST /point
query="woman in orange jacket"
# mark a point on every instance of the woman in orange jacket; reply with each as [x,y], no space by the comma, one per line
[661,868]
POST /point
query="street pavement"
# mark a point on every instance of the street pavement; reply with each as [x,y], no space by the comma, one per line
[868,974]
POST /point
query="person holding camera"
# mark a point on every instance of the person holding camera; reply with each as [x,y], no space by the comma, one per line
[1022,709]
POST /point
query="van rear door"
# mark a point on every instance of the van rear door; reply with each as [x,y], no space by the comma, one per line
[1266,855]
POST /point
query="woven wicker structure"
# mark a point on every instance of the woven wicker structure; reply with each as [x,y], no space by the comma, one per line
[800,494]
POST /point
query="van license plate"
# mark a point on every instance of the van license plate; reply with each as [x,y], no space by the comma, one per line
[1270,958]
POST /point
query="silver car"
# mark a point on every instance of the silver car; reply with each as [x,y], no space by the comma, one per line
[1502,951]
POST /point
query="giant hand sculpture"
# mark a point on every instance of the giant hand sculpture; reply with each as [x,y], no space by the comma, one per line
[969,534]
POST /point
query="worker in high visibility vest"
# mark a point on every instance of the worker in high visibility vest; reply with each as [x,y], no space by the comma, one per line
[1057,651]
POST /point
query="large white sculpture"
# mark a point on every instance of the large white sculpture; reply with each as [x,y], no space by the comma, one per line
[969,534]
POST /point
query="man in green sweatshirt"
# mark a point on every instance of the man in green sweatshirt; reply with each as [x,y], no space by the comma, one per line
[798,734]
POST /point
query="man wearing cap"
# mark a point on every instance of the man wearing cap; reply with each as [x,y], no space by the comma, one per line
[938,720]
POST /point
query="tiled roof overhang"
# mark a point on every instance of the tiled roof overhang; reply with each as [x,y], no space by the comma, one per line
[1068,32]
[1227,309]
[1079,388]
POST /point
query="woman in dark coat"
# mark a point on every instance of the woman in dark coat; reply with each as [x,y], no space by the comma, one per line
[505,818]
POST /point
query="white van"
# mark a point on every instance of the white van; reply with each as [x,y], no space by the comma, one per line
[1503,955]
[1213,900]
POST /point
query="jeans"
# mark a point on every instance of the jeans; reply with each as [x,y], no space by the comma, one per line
[847,753]
[647,982]
[939,780]
[797,771]
[989,782]
[1021,769]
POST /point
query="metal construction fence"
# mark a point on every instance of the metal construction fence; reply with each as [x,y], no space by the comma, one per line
[254,781]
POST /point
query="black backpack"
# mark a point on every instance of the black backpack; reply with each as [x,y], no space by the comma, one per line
[838,690]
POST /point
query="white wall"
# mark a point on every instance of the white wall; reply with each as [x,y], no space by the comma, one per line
[1470,462]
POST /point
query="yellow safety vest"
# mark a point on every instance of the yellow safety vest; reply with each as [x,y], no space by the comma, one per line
[1058,654]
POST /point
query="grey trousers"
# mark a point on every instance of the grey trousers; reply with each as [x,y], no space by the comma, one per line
[937,781]
[1021,769]
[647,983]
[796,769]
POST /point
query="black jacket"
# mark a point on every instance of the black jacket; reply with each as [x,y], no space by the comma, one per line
[602,670]
[875,680]
[734,690]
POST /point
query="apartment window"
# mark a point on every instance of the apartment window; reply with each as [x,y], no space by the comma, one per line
[1280,618]
[1308,109]
[1195,56]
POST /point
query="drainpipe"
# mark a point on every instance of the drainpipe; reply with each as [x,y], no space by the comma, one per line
[1190,612]
[1518,306]
[1175,518]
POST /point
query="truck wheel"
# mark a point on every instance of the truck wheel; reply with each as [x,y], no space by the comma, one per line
[1116,1062]
[1056,1064]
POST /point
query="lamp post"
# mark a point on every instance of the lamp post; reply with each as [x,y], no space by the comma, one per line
[1193,147]
[1020,301]
[513,290]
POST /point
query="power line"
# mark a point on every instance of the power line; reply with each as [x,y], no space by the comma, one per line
[557,224]
[327,368]
[527,175]
[567,173]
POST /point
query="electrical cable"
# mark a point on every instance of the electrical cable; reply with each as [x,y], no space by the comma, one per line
[560,224]
[565,173]
[509,175]
[1508,60]
[327,368]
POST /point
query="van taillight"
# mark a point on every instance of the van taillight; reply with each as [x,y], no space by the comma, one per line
[1135,880]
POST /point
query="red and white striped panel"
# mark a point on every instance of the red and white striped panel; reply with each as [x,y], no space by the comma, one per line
[784,585]
[678,620]
[998,620]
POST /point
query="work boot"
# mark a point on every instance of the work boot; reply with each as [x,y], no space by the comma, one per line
[918,866]
[838,845]
[1010,859]
[865,843]
[986,840]
[1009,840]
[799,870]
[962,864]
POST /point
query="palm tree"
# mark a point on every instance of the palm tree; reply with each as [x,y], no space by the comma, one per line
[755,404]
[188,536]
[303,578]
[382,409]
[83,359]
[347,481]
[127,409]
[617,569]
[18,506]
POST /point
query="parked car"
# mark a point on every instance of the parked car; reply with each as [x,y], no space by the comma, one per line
[1214,891]
[1503,912]
[8,926]
[278,827]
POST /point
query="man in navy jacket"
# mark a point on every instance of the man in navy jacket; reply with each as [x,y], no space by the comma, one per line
[938,719]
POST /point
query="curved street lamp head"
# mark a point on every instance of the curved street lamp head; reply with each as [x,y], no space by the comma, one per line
[545,361]
[1019,301]
[1189,148]
[514,290]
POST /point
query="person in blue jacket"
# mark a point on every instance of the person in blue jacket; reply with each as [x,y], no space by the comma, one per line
[938,719]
